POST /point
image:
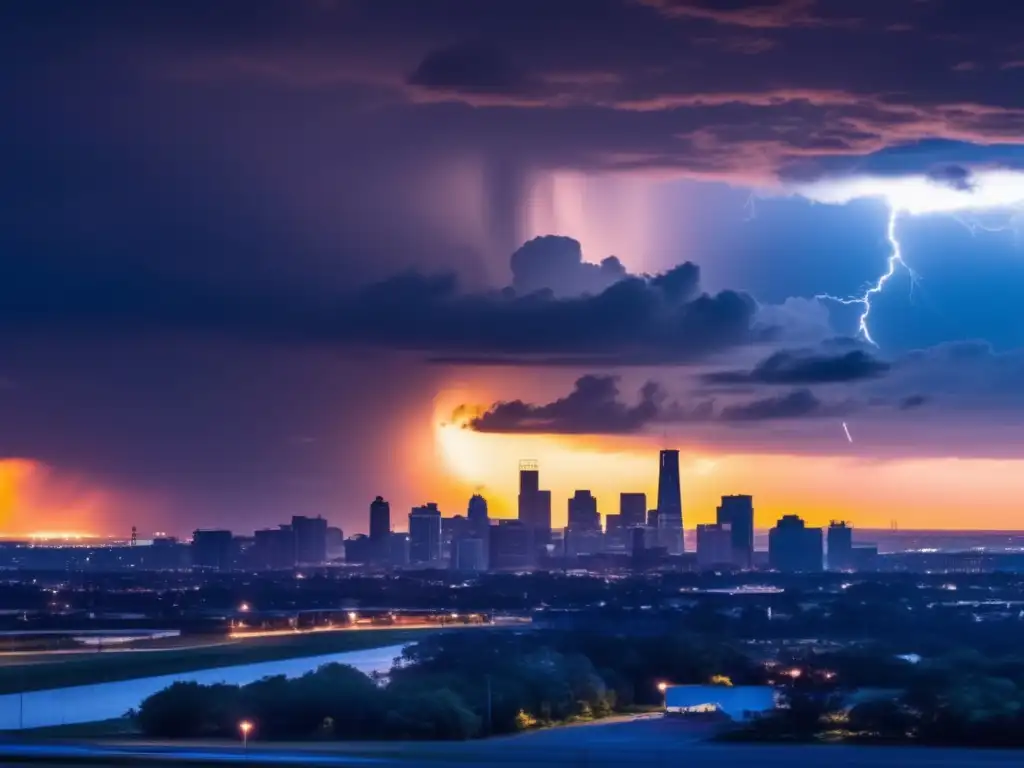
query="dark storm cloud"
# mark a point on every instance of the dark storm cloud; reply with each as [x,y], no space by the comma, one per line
[471,68]
[798,404]
[955,176]
[660,318]
[556,264]
[593,407]
[945,162]
[912,401]
[805,367]
[739,90]
[650,319]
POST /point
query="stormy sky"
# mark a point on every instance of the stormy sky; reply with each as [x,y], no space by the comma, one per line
[275,258]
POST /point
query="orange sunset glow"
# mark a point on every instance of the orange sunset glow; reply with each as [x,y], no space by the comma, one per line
[36,501]
[922,493]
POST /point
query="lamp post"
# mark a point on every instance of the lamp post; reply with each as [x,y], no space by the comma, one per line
[245,727]
[663,686]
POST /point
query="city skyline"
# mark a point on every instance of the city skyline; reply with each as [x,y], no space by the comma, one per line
[276,264]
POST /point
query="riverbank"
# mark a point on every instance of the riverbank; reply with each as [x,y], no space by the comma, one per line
[108,667]
[112,700]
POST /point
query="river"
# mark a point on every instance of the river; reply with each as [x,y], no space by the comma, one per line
[105,701]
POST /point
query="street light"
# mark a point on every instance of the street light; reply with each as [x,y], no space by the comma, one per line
[663,686]
[245,726]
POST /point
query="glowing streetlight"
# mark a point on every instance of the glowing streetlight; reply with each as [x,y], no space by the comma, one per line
[244,607]
[245,727]
[352,616]
[662,687]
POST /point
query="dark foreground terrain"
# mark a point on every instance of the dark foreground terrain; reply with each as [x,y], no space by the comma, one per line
[639,742]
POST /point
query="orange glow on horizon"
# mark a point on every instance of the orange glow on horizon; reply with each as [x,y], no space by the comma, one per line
[919,493]
[39,503]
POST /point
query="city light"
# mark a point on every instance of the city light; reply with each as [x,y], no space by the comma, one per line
[245,727]
[244,607]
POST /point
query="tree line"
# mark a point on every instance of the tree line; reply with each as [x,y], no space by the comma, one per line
[448,686]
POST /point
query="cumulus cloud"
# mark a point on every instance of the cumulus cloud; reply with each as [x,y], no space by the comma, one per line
[790,367]
[639,319]
[556,263]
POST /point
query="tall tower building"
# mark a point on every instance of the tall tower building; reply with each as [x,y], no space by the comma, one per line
[670,504]
[476,513]
[738,513]
[534,504]
[380,530]
[425,535]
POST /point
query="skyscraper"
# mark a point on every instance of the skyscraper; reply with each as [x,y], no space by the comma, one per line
[425,535]
[738,513]
[479,521]
[840,547]
[583,514]
[792,546]
[534,504]
[632,509]
[670,503]
[380,530]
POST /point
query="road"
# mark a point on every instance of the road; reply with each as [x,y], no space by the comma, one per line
[647,742]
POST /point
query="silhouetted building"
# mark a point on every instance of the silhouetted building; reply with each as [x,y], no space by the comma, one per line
[310,539]
[470,555]
[335,544]
[211,549]
[274,548]
[865,558]
[453,530]
[738,513]
[840,547]
[476,513]
[511,546]
[583,514]
[652,518]
[638,541]
[579,542]
[480,525]
[633,509]
[615,536]
[165,553]
[793,547]
[380,531]
[398,549]
[359,550]
[714,545]
[670,503]
[534,506]
[425,535]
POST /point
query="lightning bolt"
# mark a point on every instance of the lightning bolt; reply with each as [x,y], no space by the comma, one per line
[893,263]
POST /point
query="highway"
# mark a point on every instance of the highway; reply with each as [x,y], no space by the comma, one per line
[652,743]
